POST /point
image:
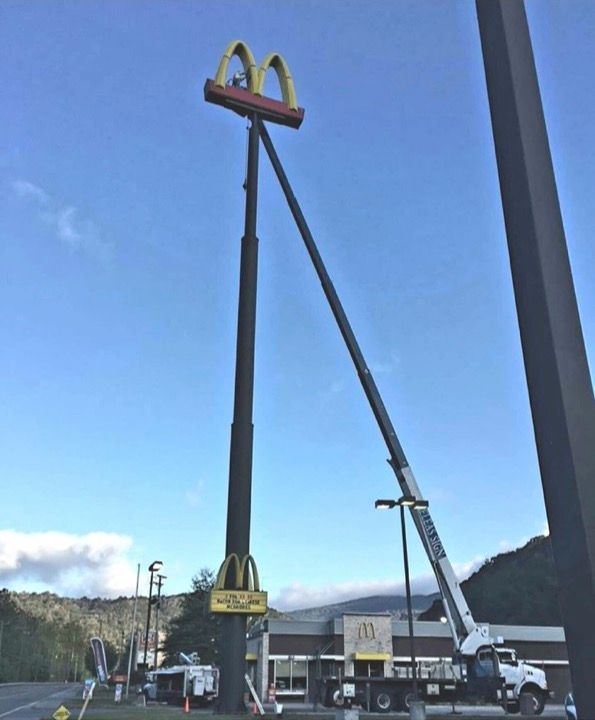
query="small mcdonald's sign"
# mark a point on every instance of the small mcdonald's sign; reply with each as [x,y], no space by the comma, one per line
[237,588]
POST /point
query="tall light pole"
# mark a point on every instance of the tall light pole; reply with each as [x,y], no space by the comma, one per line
[153,568]
[160,579]
[414,504]
[132,632]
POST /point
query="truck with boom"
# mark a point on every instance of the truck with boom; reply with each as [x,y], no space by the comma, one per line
[197,684]
[479,671]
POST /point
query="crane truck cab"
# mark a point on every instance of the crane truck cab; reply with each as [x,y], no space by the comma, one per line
[524,683]
[498,672]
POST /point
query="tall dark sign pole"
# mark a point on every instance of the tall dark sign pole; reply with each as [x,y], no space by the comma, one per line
[233,649]
[237,592]
[560,389]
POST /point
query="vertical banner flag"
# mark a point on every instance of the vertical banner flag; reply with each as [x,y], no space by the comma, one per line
[100,661]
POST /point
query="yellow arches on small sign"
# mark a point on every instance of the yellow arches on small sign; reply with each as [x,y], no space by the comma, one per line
[241,582]
[240,593]
[255,76]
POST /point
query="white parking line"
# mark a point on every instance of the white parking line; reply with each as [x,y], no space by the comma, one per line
[22,707]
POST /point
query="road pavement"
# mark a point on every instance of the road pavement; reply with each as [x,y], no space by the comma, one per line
[465,712]
[31,701]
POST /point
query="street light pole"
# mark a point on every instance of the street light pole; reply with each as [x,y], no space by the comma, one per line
[416,710]
[160,579]
[409,611]
[132,632]
[153,567]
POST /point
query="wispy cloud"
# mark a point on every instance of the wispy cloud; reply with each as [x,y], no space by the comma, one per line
[385,367]
[26,189]
[69,226]
[94,564]
[195,494]
[66,227]
[298,596]
[337,387]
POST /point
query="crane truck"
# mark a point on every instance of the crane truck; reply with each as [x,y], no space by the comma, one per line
[189,681]
[479,671]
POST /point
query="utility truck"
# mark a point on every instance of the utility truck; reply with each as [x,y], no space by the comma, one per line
[479,670]
[198,683]
[492,675]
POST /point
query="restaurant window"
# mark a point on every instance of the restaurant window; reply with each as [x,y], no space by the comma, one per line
[291,675]
[299,675]
[282,675]
[369,668]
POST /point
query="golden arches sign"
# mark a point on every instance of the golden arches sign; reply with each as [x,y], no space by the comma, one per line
[244,596]
[255,76]
[241,582]
[247,101]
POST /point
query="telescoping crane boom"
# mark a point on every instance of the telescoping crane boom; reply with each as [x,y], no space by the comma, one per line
[467,635]
[493,675]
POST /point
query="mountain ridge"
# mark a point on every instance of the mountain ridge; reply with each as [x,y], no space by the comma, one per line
[395,605]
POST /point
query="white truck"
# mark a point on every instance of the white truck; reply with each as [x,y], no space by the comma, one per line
[479,669]
[190,680]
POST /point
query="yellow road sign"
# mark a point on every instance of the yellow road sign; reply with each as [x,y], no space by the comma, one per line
[62,713]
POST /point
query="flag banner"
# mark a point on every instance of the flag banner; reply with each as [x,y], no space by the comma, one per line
[100,661]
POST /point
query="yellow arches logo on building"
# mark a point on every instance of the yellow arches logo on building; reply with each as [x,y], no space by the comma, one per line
[366,630]
[255,76]
[237,588]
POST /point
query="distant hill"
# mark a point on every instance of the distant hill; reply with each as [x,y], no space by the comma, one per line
[395,605]
[95,616]
[513,588]
[46,637]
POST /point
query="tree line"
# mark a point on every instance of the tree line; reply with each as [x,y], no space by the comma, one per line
[519,587]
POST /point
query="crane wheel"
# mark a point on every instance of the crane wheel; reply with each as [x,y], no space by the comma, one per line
[338,699]
[537,700]
[382,702]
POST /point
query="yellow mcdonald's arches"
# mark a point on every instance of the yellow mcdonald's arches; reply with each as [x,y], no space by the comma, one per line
[255,77]
[240,567]
[241,50]
[366,630]
[277,62]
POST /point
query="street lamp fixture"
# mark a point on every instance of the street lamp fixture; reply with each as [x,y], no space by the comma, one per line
[405,501]
[412,503]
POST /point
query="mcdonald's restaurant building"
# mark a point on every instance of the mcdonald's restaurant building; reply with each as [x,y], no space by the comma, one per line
[289,655]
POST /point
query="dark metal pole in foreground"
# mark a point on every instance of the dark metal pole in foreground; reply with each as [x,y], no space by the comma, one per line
[233,636]
[560,389]
[409,610]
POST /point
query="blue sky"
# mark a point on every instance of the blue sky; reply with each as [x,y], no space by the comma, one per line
[121,212]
